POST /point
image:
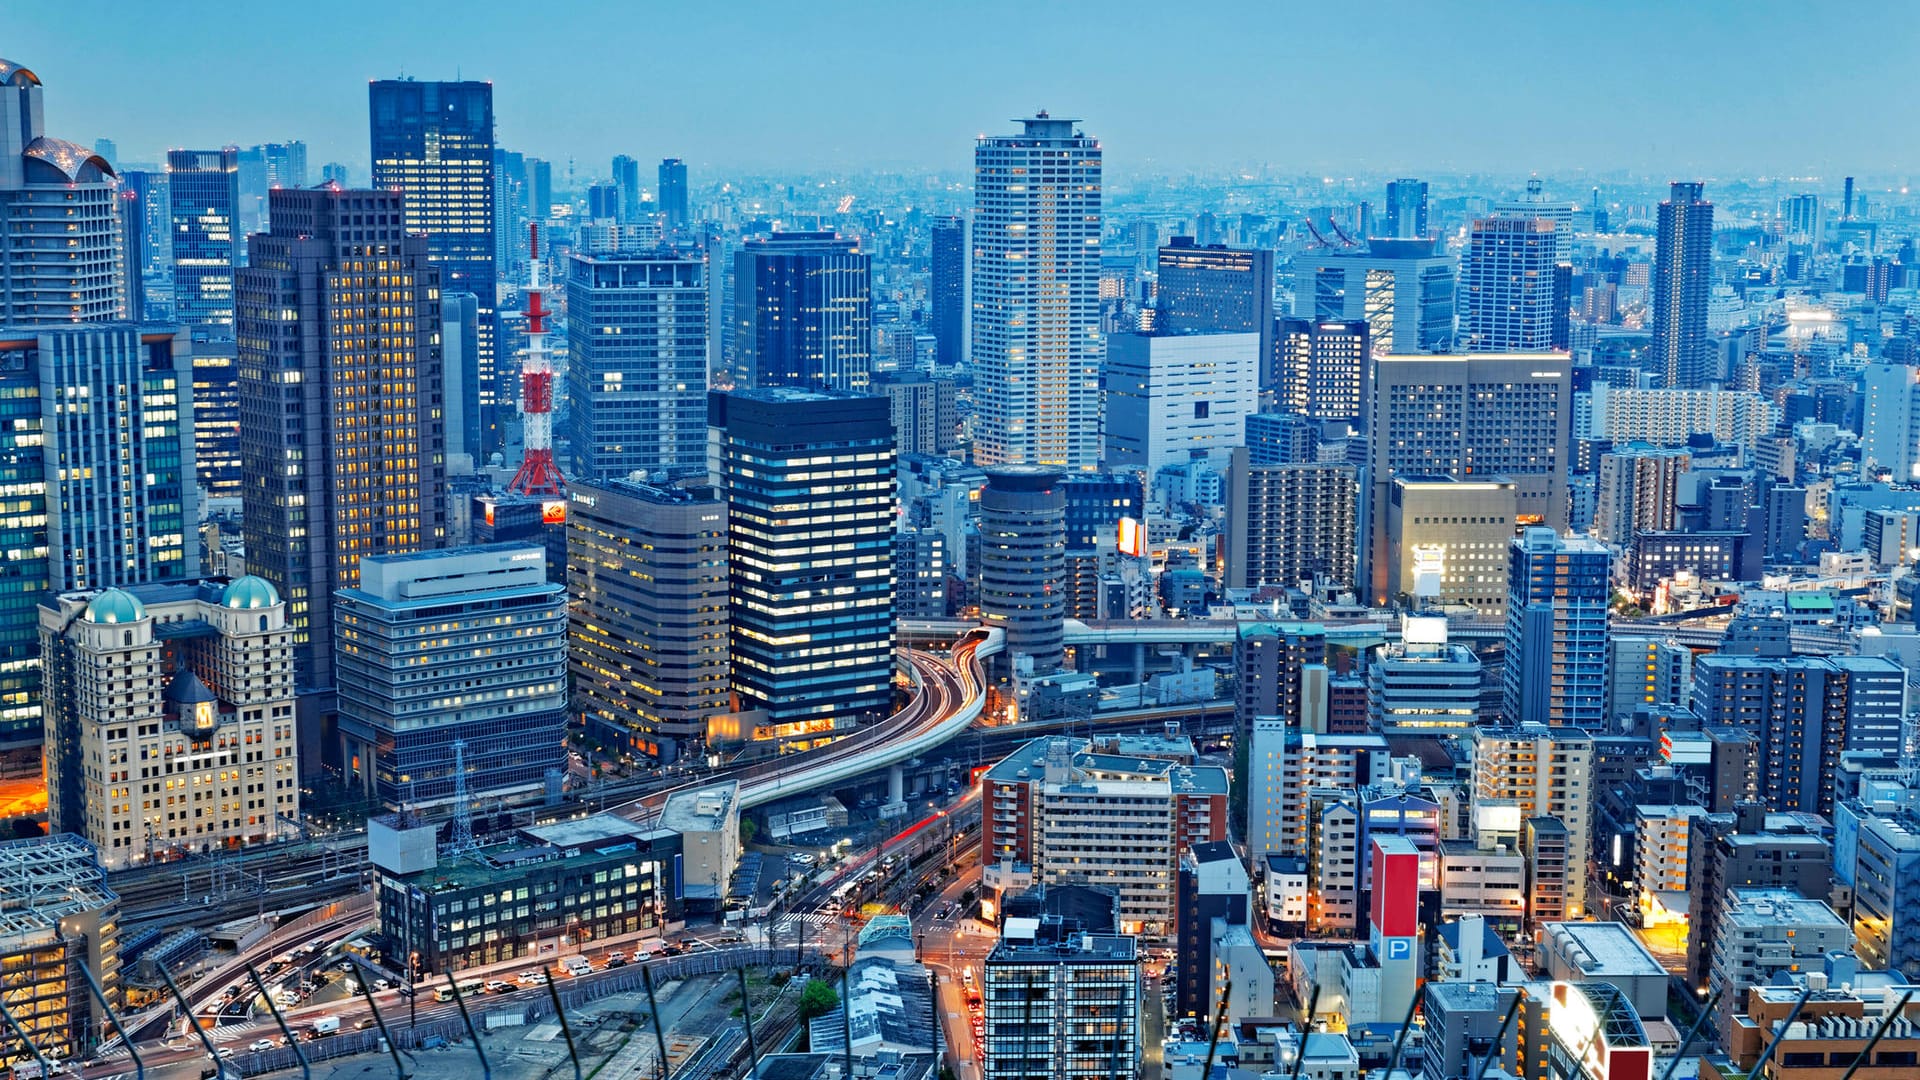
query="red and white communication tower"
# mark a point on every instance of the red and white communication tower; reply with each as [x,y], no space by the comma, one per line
[538,476]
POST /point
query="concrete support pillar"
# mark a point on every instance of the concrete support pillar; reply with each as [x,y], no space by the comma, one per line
[896,784]
[1140,663]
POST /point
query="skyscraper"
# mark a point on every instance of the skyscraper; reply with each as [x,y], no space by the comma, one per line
[1402,288]
[454,657]
[647,574]
[61,241]
[1468,417]
[1558,589]
[1216,288]
[1036,296]
[204,188]
[1682,281]
[216,417]
[1406,209]
[1321,369]
[803,312]
[1506,285]
[342,431]
[637,374]
[96,449]
[947,290]
[809,482]
[626,180]
[433,142]
[1023,536]
[672,194]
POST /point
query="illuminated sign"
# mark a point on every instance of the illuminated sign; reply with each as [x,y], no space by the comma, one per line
[1396,948]
[489,513]
[1133,538]
[553,512]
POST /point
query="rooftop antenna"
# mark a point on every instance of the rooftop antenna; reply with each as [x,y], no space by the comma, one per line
[462,841]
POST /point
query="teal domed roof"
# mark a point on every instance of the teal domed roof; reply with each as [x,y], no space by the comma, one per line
[115,606]
[250,593]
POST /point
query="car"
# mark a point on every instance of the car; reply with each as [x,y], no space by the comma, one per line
[533,978]
[224,1052]
[616,955]
[616,962]
[364,1023]
[382,984]
[498,986]
[259,1046]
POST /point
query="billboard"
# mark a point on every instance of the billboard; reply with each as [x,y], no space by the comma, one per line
[1133,538]
[1396,887]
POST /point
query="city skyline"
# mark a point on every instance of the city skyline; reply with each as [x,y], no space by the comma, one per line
[1632,112]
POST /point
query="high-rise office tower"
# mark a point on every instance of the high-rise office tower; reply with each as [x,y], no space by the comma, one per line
[1803,218]
[1036,296]
[1506,285]
[454,658]
[460,363]
[204,188]
[924,421]
[673,196]
[61,237]
[947,290]
[96,449]
[133,249]
[1215,288]
[803,312]
[218,654]
[1404,290]
[342,427]
[626,180]
[1638,490]
[1558,590]
[433,142]
[1682,281]
[1174,398]
[216,417]
[333,173]
[286,164]
[809,481]
[647,577]
[1023,569]
[603,202]
[539,189]
[1321,369]
[1289,523]
[1468,417]
[637,370]
[511,238]
[1406,209]
[1807,712]
[146,194]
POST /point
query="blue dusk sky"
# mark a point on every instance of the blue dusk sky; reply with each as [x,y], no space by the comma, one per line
[1702,86]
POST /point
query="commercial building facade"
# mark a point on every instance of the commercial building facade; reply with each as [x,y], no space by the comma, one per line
[647,623]
[448,660]
[170,718]
[637,365]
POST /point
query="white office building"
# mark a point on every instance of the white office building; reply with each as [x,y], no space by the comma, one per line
[1173,398]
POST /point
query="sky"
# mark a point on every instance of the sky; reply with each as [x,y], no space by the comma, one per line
[1701,87]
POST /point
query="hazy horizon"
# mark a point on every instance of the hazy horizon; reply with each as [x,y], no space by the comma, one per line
[1420,89]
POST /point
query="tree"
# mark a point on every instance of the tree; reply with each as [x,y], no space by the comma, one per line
[817,998]
[748,830]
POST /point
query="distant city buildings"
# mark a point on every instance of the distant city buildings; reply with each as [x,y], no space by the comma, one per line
[1682,278]
[1402,289]
[1215,288]
[204,188]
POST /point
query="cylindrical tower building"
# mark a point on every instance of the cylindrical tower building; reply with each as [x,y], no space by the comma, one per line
[1023,562]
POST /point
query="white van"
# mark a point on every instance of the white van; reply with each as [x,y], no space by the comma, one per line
[577,966]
